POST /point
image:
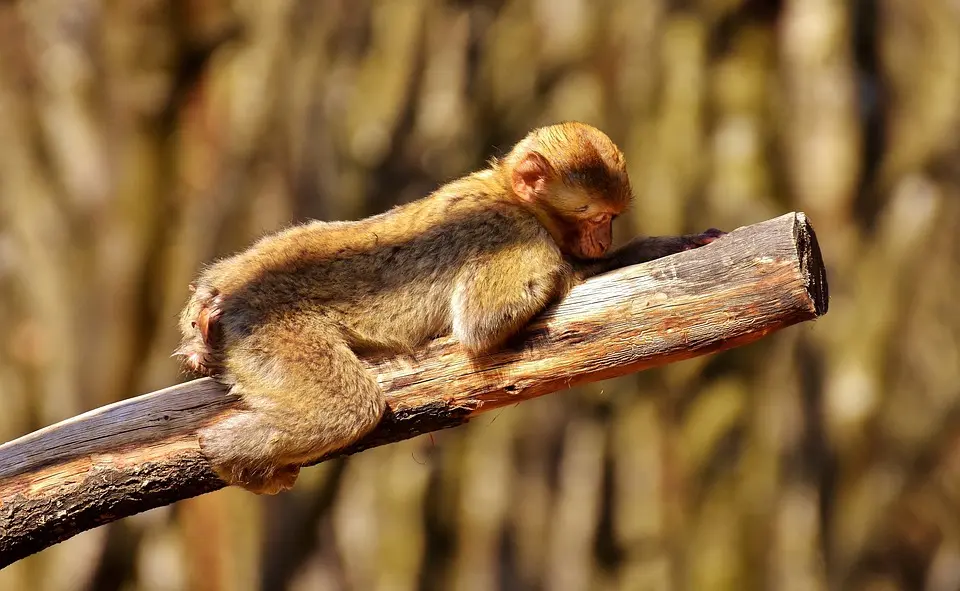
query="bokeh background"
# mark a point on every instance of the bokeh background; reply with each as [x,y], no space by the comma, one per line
[142,138]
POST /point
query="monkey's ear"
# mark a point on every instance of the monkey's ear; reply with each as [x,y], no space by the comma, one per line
[530,175]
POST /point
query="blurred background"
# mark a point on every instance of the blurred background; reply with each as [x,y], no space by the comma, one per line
[142,138]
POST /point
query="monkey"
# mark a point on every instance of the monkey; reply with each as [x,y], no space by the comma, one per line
[284,323]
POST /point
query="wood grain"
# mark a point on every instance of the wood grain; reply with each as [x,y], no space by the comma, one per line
[142,453]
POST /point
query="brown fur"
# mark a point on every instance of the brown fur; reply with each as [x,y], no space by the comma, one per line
[282,322]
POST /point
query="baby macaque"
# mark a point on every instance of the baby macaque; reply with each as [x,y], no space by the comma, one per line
[282,323]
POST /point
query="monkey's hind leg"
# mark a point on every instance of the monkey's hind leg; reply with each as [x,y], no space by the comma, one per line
[304,392]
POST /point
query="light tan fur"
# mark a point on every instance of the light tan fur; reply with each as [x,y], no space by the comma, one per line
[282,322]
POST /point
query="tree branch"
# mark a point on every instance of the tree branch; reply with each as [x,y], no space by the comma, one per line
[142,453]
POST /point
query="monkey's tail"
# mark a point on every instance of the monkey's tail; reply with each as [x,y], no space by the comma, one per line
[200,346]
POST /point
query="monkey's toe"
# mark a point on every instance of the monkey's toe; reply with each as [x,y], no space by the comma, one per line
[260,481]
[284,478]
[197,358]
[268,483]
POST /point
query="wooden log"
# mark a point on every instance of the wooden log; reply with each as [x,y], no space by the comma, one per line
[142,453]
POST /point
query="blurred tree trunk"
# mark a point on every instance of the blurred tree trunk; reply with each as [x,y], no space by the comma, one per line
[143,139]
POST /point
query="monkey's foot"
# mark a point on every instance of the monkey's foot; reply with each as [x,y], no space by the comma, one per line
[266,483]
[262,480]
[198,351]
[239,450]
[207,323]
[702,239]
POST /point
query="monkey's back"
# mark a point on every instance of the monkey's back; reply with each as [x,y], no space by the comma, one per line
[381,283]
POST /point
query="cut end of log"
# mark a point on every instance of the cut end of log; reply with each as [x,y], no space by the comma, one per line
[811,264]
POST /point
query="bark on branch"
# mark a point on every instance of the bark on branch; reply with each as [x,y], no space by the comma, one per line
[142,453]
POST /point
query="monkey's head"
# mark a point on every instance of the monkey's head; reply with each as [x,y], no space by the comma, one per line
[575,180]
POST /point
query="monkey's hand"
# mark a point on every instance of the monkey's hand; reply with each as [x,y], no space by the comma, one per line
[641,250]
[702,239]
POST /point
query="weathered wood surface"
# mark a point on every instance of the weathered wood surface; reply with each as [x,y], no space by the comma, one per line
[143,453]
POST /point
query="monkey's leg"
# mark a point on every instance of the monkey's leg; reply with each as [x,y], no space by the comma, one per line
[304,392]
[641,250]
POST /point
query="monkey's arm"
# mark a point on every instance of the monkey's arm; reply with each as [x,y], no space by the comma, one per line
[495,298]
[641,250]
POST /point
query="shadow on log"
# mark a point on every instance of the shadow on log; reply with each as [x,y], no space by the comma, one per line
[143,453]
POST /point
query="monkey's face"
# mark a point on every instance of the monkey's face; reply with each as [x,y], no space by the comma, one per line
[585,230]
[575,180]
[579,215]
[593,236]
[585,199]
